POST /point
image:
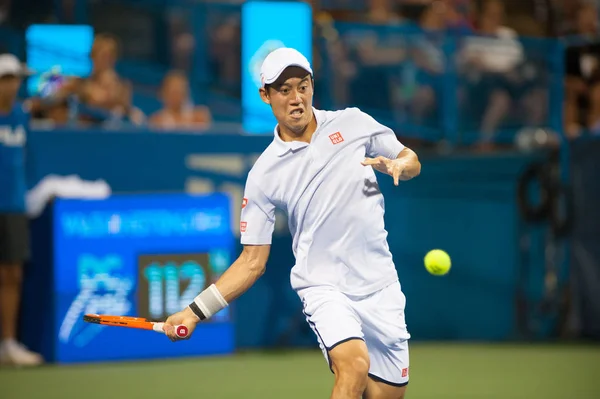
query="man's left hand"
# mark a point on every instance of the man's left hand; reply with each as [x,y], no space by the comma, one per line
[392,167]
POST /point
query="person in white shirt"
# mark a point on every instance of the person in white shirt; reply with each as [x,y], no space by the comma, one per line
[319,169]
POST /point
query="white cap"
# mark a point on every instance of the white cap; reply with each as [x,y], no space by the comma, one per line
[10,65]
[278,60]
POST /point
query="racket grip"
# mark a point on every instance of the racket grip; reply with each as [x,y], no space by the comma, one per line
[181,331]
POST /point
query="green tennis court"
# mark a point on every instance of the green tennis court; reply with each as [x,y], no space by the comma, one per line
[437,371]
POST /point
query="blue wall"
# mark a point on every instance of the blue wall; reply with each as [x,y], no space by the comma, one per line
[463,204]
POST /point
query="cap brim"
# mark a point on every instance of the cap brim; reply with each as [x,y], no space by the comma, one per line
[274,79]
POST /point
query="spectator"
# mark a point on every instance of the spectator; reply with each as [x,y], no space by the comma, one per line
[429,60]
[178,111]
[104,89]
[433,18]
[456,16]
[568,11]
[489,64]
[436,20]
[51,105]
[14,234]
[181,37]
[224,53]
[382,12]
[374,55]
[582,84]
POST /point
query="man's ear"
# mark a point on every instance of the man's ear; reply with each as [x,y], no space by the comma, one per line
[264,95]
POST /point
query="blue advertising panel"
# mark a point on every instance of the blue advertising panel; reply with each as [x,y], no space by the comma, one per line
[55,52]
[138,255]
[267,26]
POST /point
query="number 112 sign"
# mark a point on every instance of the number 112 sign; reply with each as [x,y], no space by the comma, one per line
[169,283]
[137,255]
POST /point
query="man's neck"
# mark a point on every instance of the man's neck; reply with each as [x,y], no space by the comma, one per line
[305,135]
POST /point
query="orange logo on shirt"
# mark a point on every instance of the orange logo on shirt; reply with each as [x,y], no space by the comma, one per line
[405,372]
[244,202]
[336,138]
[243,226]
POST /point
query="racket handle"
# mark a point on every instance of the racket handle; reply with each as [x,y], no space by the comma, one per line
[181,331]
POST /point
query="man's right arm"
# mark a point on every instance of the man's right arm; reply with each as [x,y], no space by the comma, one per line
[256,228]
[236,280]
[244,272]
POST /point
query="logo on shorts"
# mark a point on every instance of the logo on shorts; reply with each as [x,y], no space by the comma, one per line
[405,372]
[244,202]
[243,226]
[336,138]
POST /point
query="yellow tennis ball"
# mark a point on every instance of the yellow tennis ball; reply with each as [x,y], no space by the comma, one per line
[437,262]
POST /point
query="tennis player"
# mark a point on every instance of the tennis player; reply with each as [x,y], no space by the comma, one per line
[320,170]
[14,228]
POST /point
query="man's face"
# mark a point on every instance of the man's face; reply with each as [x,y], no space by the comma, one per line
[9,87]
[291,98]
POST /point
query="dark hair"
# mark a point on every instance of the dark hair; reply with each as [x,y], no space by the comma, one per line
[312,81]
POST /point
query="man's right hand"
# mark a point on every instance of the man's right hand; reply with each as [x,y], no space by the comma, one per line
[185,317]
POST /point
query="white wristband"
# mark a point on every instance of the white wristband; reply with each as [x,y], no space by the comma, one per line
[208,302]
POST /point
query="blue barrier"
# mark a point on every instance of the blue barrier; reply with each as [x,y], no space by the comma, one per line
[463,204]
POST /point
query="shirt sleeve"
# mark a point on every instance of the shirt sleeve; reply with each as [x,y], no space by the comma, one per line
[382,140]
[258,216]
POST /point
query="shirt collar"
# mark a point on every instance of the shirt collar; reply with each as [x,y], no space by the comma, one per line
[283,147]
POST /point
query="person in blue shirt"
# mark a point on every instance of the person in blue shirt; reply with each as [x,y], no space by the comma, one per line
[14,226]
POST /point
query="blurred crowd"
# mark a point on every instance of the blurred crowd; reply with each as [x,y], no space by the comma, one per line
[105,96]
[492,57]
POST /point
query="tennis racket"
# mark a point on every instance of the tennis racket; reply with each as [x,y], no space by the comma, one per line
[133,322]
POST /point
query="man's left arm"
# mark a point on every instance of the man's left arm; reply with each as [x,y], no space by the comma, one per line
[388,155]
[410,165]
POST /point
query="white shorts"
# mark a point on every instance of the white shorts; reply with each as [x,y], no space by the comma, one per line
[377,319]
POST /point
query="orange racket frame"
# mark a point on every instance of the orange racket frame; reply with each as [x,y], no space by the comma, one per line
[133,322]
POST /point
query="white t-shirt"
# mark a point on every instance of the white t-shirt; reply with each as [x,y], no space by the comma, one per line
[497,54]
[334,207]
